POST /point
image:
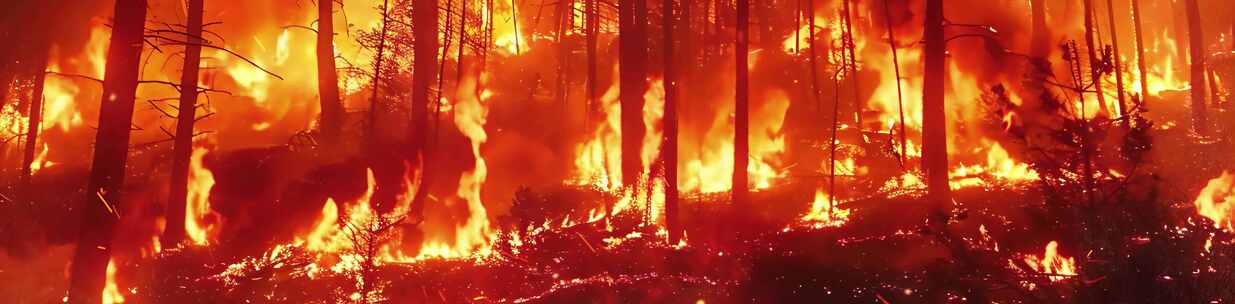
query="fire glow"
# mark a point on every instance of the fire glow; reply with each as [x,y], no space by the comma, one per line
[388,150]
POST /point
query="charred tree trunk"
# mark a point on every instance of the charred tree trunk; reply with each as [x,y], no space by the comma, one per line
[1040,39]
[741,140]
[377,74]
[1095,72]
[328,77]
[1119,76]
[633,71]
[563,51]
[1196,47]
[1140,49]
[593,23]
[813,60]
[101,211]
[934,120]
[424,14]
[671,126]
[896,68]
[183,149]
[35,114]
[853,65]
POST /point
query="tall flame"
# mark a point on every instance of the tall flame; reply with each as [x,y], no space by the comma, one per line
[475,235]
[200,221]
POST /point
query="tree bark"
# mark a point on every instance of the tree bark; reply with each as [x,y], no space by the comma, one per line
[934,120]
[633,71]
[741,140]
[328,77]
[183,147]
[101,211]
[1140,49]
[671,126]
[1196,47]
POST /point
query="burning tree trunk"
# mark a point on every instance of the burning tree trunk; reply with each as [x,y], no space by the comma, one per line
[1196,46]
[424,14]
[741,140]
[103,194]
[1140,49]
[1095,71]
[671,126]
[934,120]
[35,114]
[633,71]
[328,77]
[187,115]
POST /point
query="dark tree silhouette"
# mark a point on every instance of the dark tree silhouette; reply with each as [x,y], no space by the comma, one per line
[102,207]
[424,31]
[35,112]
[934,119]
[851,50]
[183,150]
[1140,48]
[328,77]
[377,73]
[633,56]
[670,146]
[1196,48]
[741,141]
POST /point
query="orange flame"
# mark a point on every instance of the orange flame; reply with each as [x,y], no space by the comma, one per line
[1051,263]
[111,293]
[200,221]
[1217,201]
[822,213]
[474,237]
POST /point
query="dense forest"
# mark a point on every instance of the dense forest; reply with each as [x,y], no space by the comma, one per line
[621,151]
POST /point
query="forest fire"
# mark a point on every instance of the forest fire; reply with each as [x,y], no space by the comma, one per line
[628,151]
